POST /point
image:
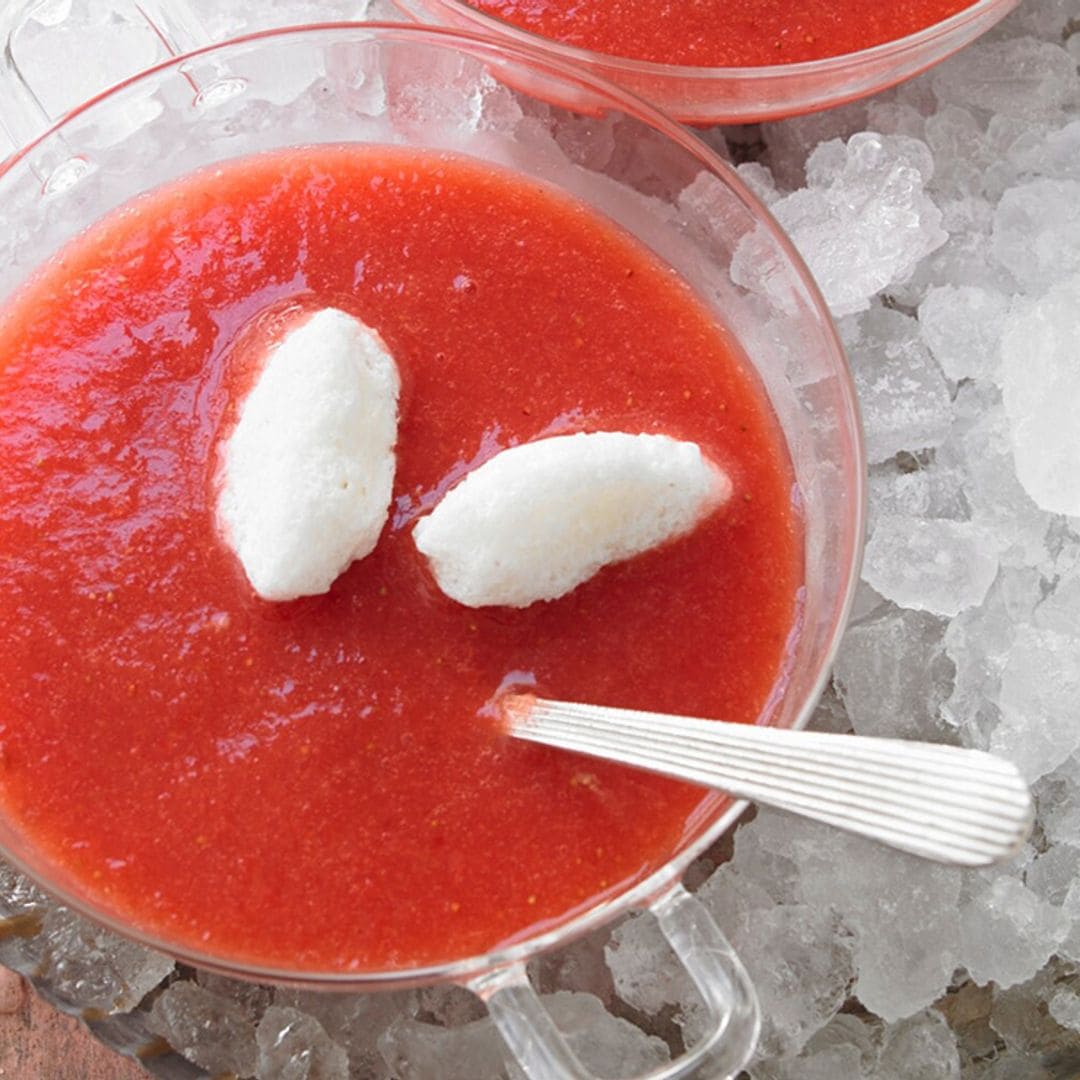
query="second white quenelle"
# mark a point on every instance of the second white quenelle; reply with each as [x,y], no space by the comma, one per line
[537,520]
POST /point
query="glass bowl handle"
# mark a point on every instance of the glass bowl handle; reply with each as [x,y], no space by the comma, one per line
[175,25]
[734,1022]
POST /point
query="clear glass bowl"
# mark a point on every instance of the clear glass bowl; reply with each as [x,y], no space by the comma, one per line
[740,95]
[413,86]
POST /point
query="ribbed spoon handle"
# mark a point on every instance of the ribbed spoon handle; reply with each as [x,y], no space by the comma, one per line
[941,802]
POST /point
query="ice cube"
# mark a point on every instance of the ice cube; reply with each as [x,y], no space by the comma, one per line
[980,445]
[910,488]
[1007,932]
[790,142]
[966,259]
[1036,233]
[961,154]
[227,18]
[800,966]
[920,1048]
[607,1046]
[94,969]
[1055,155]
[251,997]
[901,913]
[294,1046]
[1059,803]
[864,221]
[1007,1064]
[355,1022]
[1022,77]
[1065,1009]
[1041,383]
[208,1029]
[580,138]
[844,1050]
[1060,607]
[830,714]
[1040,685]
[978,642]
[760,181]
[1054,874]
[965,215]
[1020,1015]
[895,118]
[413,1050]
[1048,19]
[934,565]
[903,394]
[868,602]
[896,914]
[1006,139]
[892,675]
[647,976]
[75,52]
[765,862]
[19,895]
[963,327]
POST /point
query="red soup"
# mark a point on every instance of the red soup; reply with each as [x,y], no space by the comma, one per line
[723,33]
[319,784]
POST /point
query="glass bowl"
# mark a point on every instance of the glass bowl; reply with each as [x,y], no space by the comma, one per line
[412,86]
[741,95]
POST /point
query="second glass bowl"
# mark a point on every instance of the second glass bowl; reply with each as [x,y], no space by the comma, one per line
[738,95]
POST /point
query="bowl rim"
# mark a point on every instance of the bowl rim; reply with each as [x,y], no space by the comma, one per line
[501,29]
[724,811]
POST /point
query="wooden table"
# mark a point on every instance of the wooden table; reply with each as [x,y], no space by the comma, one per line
[38,1043]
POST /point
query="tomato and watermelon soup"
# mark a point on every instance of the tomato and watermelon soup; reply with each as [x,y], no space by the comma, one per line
[723,33]
[323,785]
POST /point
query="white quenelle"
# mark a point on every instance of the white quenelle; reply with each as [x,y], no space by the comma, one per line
[307,473]
[537,520]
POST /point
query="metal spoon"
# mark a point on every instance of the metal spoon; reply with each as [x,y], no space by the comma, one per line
[943,803]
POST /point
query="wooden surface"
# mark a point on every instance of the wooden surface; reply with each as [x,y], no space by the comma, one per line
[38,1043]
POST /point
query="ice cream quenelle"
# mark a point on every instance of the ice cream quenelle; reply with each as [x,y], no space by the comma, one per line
[308,471]
[537,520]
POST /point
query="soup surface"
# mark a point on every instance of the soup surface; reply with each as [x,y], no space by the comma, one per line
[320,784]
[723,33]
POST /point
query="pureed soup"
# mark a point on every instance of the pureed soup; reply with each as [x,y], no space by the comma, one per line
[723,33]
[323,784]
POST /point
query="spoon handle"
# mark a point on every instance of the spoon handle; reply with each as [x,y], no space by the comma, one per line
[943,803]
